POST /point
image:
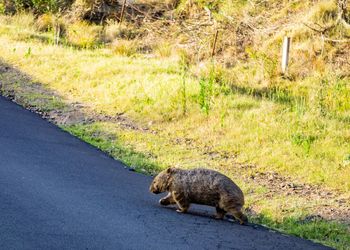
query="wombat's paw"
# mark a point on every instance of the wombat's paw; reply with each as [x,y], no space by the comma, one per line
[243,222]
[164,202]
[219,216]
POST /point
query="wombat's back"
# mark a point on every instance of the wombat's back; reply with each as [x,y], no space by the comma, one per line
[205,186]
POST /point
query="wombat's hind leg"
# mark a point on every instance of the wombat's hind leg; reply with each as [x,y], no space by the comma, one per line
[220,213]
[181,202]
[167,200]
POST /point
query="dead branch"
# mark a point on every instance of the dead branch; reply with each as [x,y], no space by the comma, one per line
[323,30]
[336,40]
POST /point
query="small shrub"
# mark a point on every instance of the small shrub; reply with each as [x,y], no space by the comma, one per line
[163,50]
[2,9]
[49,22]
[7,7]
[44,6]
[37,6]
[325,12]
[45,22]
[83,35]
[347,160]
[125,47]
[206,91]
[304,141]
[115,30]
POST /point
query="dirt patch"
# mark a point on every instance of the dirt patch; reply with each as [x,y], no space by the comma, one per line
[332,206]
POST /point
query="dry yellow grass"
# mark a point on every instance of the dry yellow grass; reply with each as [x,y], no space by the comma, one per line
[81,34]
[298,128]
[296,142]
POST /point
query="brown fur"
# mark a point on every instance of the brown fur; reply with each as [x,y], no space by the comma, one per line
[200,186]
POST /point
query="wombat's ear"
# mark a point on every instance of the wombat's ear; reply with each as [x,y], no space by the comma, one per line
[170,170]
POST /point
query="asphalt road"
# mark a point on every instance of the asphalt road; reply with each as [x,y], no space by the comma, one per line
[57,192]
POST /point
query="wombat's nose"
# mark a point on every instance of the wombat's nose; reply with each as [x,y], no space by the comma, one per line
[152,189]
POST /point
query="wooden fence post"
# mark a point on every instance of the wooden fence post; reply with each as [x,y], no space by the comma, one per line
[285,54]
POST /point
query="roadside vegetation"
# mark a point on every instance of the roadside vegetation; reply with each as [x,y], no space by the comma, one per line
[149,92]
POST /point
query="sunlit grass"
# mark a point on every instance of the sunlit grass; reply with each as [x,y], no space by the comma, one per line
[147,152]
[272,135]
[300,129]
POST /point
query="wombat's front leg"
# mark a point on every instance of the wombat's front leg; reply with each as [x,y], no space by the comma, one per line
[220,213]
[181,202]
[167,200]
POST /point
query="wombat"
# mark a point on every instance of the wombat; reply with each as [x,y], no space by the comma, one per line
[200,186]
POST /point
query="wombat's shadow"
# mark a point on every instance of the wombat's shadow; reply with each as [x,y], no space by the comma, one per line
[209,212]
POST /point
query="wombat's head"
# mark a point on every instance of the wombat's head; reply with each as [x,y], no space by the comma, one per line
[160,183]
[244,219]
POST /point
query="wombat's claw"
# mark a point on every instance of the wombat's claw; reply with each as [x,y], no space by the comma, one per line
[180,211]
[242,223]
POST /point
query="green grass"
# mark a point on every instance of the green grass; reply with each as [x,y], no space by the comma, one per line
[133,149]
[308,144]
[321,231]
[93,134]
[152,90]
[298,128]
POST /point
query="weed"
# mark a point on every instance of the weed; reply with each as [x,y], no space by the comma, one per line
[305,141]
[346,161]
[125,47]
[204,95]
[28,52]
[164,50]
[83,35]
[45,22]
[2,9]
[206,90]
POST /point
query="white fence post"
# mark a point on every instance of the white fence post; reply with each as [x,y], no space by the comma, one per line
[285,54]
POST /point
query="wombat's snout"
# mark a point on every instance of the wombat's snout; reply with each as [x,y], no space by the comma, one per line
[152,189]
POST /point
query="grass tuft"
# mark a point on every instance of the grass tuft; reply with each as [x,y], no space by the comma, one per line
[83,35]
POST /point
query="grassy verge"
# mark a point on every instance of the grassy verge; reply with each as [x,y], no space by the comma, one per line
[298,222]
[170,118]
